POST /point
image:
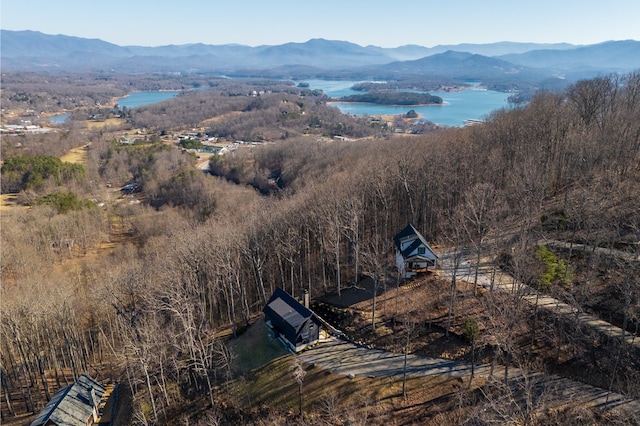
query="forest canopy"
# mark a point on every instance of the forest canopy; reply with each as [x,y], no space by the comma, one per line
[150,286]
[394,98]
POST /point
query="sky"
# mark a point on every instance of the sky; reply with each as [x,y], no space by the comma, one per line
[365,22]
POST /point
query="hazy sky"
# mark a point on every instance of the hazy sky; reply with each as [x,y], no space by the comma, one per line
[382,23]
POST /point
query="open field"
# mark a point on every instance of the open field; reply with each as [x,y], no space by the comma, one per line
[76,155]
[220,118]
[115,122]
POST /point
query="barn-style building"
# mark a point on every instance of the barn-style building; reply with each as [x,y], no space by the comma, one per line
[290,321]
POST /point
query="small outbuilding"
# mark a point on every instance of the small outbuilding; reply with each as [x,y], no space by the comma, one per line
[290,321]
[413,253]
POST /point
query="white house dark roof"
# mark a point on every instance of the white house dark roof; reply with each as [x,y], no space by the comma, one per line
[409,233]
[72,405]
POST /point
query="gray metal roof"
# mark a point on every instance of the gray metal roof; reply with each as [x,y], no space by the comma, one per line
[288,312]
[72,405]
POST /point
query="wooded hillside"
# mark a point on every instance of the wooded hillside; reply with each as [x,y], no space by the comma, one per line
[156,280]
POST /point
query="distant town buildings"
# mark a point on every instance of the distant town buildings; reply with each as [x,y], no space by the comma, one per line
[17,129]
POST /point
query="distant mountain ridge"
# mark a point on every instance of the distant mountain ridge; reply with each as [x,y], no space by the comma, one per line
[445,63]
[617,55]
[33,50]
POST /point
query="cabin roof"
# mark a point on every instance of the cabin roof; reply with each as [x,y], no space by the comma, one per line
[72,404]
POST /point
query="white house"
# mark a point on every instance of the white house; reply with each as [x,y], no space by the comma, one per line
[413,253]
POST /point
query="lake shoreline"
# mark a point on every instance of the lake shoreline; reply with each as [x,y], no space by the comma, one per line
[140,93]
[389,117]
[386,105]
[460,105]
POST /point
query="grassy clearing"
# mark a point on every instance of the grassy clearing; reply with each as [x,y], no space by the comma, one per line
[75,156]
[330,398]
[337,399]
[254,348]
[114,122]
[219,118]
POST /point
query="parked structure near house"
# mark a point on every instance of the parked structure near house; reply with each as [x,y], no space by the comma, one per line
[413,253]
[86,402]
[291,322]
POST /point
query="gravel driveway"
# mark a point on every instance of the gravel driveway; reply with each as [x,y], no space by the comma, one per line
[351,360]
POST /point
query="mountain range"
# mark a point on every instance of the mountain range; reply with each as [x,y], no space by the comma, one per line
[32,50]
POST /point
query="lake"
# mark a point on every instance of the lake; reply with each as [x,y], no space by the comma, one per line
[137,99]
[132,100]
[473,103]
[58,118]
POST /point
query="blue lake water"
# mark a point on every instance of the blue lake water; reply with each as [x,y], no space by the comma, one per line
[58,118]
[132,100]
[137,99]
[473,103]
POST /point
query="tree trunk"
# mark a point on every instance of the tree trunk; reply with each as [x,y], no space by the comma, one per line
[6,391]
[149,388]
[452,303]
[404,367]
[473,361]
[232,308]
[373,308]
[338,261]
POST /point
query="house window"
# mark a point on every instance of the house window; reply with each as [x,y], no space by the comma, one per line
[422,250]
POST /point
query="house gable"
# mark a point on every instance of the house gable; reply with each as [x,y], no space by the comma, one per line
[418,250]
[413,253]
[409,242]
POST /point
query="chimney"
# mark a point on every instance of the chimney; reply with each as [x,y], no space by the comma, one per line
[306,298]
[93,399]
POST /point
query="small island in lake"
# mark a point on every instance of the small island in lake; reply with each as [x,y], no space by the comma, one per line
[394,98]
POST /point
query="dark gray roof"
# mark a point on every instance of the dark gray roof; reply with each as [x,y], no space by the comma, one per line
[72,405]
[287,313]
[288,308]
[407,233]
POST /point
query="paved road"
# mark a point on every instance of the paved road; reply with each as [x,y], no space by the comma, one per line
[489,275]
[348,359]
